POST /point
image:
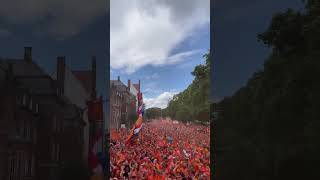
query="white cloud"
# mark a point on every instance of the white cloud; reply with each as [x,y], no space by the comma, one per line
[59,18]
[144,32]
[151,88]
[151,84]
[149,91]
[153,76]
[160,101]
[176,58]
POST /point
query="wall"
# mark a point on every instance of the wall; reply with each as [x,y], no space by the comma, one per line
[77,94]
[134,91]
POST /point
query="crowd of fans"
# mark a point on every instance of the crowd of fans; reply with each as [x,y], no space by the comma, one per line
[162,150]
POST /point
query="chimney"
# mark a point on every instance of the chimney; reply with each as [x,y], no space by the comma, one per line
[61,70]
[139,85]
[129,84]
[118,78]
[94,76]
[28,54]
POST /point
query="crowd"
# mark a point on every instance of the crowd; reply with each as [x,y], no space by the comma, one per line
[162,150]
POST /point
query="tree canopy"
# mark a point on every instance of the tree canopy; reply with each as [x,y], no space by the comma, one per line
[193,103]
[274,119]
[153,113]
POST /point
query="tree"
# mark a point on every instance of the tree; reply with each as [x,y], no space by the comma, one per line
[273,119]
[193,103]
[153,113]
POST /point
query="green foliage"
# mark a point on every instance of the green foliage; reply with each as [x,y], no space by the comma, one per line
[153,113]
[193,103]
[274,120]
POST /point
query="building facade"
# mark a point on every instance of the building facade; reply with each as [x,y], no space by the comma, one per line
[78,87]
[123,103]
[119,99]
[41,129]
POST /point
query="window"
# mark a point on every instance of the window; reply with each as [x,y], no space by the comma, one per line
[27,129]
[26,166]
[11,166]
[19,127]
[19,100]
[57,125]
[34,136]
[62,126]
[53,151]
[37,108]
[31,132]
[30,104]
[21,132]
[57,152]
[19,165]
[24,100]
[54,121]
[32,165]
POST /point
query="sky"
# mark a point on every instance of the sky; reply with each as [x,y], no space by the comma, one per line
[237,54]
[158,42]
[58,28]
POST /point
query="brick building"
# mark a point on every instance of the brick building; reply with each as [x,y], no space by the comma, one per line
[134,89]
[78,87]
[115,106]
[19,114]
[123,103]
[40,128]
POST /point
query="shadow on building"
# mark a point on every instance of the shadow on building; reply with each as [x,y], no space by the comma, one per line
[43,119]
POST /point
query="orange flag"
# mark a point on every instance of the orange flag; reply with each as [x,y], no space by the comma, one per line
[136,126]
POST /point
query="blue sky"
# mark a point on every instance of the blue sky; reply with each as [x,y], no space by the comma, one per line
[156,80]
[237,52]
[163,46]
[161,29]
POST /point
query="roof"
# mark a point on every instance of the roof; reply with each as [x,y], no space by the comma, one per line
[22,68]
[85,78]
[119,85]
[136,86]
[30,75]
